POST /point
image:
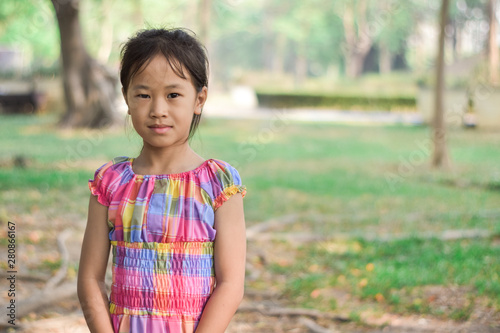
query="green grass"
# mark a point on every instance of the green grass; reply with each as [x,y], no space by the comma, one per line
[338,180]
[339,171]
[393,269]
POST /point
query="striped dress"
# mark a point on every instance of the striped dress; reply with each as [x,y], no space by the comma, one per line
[162,234]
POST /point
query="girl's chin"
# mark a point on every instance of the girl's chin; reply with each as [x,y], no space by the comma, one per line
[163,144]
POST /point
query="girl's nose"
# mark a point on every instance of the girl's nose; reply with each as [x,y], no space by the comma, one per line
[159,108]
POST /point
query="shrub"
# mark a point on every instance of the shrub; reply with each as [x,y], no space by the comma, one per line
[291,100]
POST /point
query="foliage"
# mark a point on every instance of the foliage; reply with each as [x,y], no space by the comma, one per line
[395,22]
[248,35]
[345,102]
[30,27]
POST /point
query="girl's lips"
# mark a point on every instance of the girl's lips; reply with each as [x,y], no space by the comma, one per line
[160,129]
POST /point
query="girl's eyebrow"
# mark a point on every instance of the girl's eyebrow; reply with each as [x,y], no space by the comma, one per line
[173,86]
[143,86]
[139,86]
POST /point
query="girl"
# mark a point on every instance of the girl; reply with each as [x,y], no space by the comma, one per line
[174,220]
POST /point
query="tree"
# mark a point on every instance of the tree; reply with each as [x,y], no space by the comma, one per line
[106,31]
[462,15]
[308,28]
[204,17]
[440,156]
[392,23]
[492,43]
[368,24]
[358,40]
[89,89]
[30,26]
[138,15]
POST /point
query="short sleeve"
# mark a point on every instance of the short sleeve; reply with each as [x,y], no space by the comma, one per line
[98,186]
[229,183]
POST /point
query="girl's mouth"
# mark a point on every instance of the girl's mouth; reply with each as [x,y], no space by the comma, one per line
[160,129]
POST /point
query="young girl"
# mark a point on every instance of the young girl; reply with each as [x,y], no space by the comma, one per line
[174,220]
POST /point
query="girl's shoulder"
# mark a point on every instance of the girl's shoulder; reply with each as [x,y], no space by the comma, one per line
[221,182]
[107,177]
[110,171]
[222,170]
[116,164]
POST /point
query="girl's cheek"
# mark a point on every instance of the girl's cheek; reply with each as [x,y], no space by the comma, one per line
[134,103]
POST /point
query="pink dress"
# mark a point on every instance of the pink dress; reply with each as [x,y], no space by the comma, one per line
[162,234]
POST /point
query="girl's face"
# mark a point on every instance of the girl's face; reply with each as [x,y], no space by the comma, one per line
[162,104]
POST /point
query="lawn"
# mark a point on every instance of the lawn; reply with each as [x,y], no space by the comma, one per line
[367,191]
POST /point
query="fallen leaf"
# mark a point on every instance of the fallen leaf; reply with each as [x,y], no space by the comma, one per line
[315,293]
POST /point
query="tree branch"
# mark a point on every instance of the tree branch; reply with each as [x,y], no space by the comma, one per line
[312,326]
[280,311]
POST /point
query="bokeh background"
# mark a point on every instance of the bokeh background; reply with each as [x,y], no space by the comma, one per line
[363,213]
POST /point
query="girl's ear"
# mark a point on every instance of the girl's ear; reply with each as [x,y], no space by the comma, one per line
[201,98]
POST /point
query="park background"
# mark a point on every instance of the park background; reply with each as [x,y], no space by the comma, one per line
[360,217]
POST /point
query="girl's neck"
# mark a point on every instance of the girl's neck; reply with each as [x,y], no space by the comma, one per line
[170,160]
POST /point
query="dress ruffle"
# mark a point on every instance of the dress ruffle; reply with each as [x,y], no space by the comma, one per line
[228,193]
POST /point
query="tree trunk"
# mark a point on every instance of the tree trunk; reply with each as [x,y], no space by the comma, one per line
[205,11]
[358,41]
[300,70]
[204,19]
[106,32]
[138,15]
[301,58]
[385,59]
[89,89]
[279,54]
[492,43]
[458,42]
[354,64]
[440,158]
[454,39]
[267,42]
[189,20]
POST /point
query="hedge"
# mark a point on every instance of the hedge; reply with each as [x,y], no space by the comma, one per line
[305,100]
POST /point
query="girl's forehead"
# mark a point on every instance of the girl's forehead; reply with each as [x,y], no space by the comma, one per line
[162,69]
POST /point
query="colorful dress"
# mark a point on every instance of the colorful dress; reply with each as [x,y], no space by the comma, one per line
[162,234]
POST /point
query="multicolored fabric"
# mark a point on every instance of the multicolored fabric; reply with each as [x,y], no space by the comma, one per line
[162,233]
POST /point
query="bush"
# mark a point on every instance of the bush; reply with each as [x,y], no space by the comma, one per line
[292,100]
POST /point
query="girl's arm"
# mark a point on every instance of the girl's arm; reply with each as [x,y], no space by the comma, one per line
[92,270]
[229,261]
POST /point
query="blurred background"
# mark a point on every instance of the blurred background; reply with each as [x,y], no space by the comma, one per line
[367,133]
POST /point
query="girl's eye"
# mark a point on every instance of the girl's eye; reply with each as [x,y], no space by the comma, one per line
[143,96]
[173,95]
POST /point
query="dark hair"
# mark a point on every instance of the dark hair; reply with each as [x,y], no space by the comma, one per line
[182,51]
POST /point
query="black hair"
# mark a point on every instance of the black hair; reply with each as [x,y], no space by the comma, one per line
[180,47]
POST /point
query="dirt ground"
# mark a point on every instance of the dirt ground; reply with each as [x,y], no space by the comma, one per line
[260,311]
[66,317]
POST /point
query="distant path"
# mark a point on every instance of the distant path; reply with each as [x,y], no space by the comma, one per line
[315,115]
